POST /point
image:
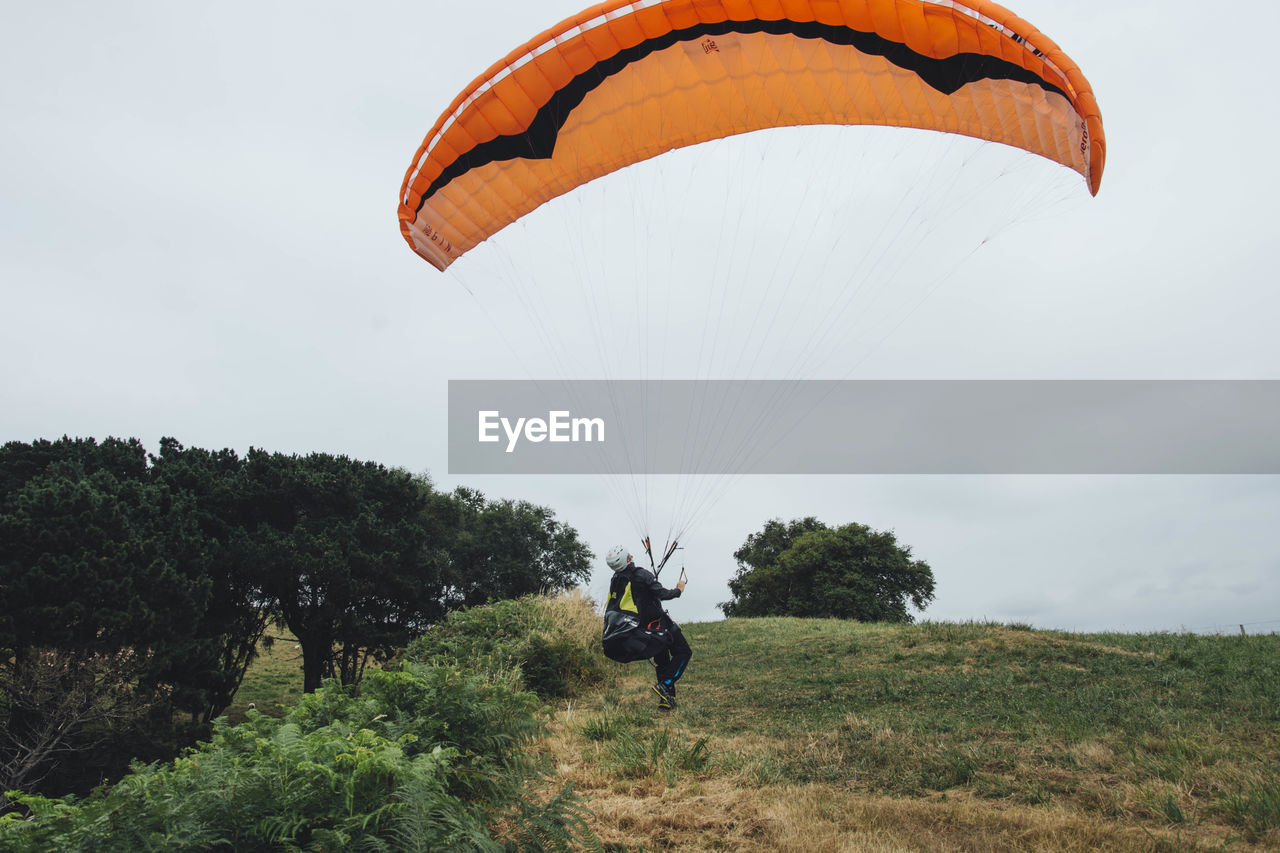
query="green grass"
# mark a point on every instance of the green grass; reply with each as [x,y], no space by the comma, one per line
[273,681]
[1157,730]
[1173,735]
[1007,712]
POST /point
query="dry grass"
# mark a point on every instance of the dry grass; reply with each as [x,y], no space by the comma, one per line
[631,765]
[570,614]
[728,809]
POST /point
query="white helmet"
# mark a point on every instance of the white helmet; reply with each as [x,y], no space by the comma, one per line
[616,559]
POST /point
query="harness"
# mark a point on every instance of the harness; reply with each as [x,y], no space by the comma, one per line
[625,638]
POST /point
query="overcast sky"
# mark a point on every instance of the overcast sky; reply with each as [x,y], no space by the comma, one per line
[198,238]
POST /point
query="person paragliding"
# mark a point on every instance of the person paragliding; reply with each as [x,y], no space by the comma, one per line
[636,627]
[623,82]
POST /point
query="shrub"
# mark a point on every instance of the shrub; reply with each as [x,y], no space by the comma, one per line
[551,642]
[426,758]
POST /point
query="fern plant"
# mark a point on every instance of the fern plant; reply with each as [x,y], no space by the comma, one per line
[427,758]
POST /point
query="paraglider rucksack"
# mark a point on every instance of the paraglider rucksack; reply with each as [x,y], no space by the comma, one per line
[625,638]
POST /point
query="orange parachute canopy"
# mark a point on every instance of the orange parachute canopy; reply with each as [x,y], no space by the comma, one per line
[626,81]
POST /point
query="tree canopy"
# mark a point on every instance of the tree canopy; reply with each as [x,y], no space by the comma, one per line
[103,577]
[347,557]
[162,573]
[506,549]
[805,568]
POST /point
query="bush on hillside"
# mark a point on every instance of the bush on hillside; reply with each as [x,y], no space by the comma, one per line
[427,758]
[551,643]
[807,569]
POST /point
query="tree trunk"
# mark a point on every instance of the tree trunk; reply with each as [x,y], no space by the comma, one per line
[315,661]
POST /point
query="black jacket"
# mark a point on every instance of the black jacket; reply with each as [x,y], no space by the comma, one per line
[636,590]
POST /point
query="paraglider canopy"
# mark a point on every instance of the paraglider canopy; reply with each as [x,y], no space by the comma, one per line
[728,274]
[623,82]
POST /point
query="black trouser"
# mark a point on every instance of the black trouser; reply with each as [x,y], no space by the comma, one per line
[671,662]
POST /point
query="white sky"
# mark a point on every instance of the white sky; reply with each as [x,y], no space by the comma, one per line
[198,239]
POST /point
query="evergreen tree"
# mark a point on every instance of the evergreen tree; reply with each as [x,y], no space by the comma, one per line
[99,566]
[344,558]
[507,549]
[808,569]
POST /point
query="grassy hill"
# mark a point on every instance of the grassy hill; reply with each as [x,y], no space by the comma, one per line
[823,735]
[803,735]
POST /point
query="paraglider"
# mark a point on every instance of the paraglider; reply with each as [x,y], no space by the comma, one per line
[636,627]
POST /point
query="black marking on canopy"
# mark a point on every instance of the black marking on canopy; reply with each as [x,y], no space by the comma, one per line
[539,141]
